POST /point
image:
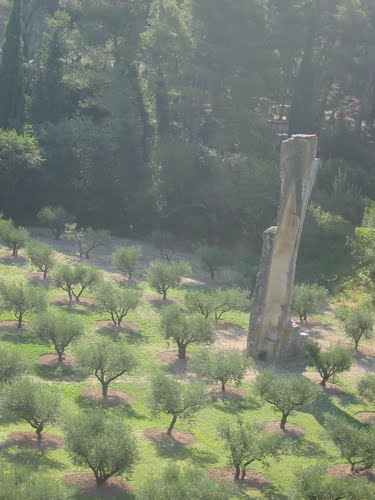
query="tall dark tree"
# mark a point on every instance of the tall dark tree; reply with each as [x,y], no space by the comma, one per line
[12,100]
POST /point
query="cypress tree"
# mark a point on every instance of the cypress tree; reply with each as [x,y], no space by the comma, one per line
[302,118]
[12,99]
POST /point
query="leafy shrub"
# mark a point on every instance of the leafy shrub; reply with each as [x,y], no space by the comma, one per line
[330,362]
[355,444]
[220,366]
[12,363]
[125,259]
[13,237]
[87,239]
[248,442]
[58,329]
[41,256]
[102,442]
[185,329]
[212,258]
[366,388]
[175,398]
[21,297]
[359,323]
[76,279]
[34,402]
[162,275]
[307,299]
[105,359]
[287,393]
[186,483]
[117,301]
[55,218]
[216,302]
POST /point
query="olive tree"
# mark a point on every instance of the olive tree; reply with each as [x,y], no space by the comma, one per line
[186,483]
[75,279]
[307,299]
[105,359]
[212,258]
[55,218]
[13,363]
[165,243]
[355,444]
[125,259]
[315,482]
[12,236]
[34,402]
[102,442]
[216,302]
[366,388]
[359,323]
[248,442]
[58,329]
[87,239]
[178,399]
[329,362]
[220,366]
[116,300]
[287,393]
[162,275]
[185,329]
[41,256]
[20,297]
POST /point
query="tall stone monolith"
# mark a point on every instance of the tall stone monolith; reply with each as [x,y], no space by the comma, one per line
[270,331]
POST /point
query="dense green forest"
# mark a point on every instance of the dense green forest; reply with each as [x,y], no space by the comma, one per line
[146,114]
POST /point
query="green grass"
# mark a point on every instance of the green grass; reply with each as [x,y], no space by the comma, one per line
[208,451]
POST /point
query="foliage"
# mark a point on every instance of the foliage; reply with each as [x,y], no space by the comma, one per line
[314,482]
[41,256]
[307,299]
[165,243]
[359,323]
[355,444]
[24,482]
[13,363]
[215,302]
[12,236]
[34,402]
[329,362]
[55,218]
[105,359]
[220,365]
[75,279]
[185,483]
[287,393]
[125,259]
[212,258]
[162,275]
[366,388]
[58,329]
[87,239]
[117,300]
[185,329]
[181,400]
[12,96]
[21,297]
[248,442]
[101,442]
[20,161]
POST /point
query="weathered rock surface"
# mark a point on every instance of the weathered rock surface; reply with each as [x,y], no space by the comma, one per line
[269,335]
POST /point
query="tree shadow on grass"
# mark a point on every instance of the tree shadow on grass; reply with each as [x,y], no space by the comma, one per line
[131,335]
[324,406]
[20,455]
[183,452]
[303,447]
[235,406]
[59,373]
[19,336]
[124,410]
